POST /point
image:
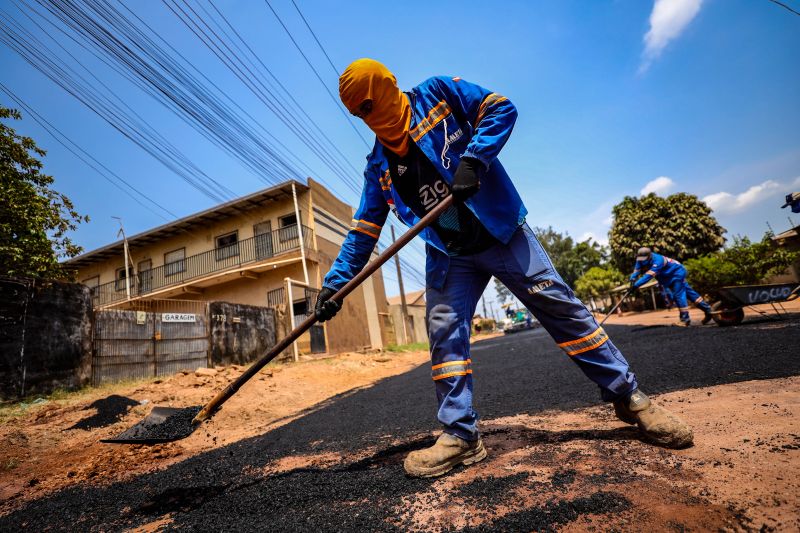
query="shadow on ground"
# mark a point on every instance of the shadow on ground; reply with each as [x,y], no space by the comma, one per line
[108,411]
[227,488]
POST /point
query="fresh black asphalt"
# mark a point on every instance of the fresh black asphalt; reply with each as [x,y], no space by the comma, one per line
[225,489]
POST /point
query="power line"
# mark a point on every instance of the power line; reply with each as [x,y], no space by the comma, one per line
[234,63]
[785,6]
[335,70]
[107,106]
[311,66]
[65,141]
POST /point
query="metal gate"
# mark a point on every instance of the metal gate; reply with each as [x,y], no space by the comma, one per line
[155,338]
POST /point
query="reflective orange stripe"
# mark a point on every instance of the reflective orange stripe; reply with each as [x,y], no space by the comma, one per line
[451,374]
[582,339]
[489,101]
[365,232]
[451,363]
[591,347]
[435,116]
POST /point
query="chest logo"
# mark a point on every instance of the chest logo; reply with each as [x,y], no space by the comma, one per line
[401,169]
[429,195]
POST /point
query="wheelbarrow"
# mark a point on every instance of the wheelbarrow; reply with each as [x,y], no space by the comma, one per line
[728,304]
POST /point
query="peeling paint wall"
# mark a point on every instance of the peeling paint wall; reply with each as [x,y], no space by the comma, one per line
[45,336]
[240,333]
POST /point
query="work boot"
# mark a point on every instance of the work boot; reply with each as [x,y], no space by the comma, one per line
[657,425]
[440,458]
[708,318]
[685,320]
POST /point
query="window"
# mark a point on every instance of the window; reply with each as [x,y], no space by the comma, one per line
[175,262]
[288,228]
[119,278]
[227,246]
[145,272]
[263,239]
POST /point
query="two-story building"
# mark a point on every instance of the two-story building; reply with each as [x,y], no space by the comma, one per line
[269,248]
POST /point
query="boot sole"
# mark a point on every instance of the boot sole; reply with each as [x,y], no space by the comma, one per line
[466,459]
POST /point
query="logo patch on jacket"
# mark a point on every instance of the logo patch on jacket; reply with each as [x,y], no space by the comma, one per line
[539,287]
[401,169]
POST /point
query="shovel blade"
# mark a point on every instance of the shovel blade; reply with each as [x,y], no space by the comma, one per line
[163,424]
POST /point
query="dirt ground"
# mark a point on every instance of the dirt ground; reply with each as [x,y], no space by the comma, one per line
[742,473]
[670,316]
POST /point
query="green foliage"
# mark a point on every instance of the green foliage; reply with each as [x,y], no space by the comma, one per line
[412,347]
[598,281]
[743,263]
[570,259]
[679,226]
[34,219]
[503,293]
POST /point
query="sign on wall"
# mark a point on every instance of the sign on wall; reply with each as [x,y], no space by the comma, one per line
[178,317]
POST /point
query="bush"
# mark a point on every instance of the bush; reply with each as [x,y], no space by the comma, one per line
[598,281]
[743,263]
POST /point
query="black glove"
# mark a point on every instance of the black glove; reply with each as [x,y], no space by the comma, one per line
[632,286]
[326,308]
[466,180]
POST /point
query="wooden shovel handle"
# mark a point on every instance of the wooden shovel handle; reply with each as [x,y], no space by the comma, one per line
[211,407]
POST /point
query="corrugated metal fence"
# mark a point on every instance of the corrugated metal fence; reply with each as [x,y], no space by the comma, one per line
[156,338]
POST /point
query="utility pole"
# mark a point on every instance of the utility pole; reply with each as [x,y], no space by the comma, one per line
[483,299]
[403,307]
[300,235]
[126,252]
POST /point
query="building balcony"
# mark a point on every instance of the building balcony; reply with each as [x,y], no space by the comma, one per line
[247,256]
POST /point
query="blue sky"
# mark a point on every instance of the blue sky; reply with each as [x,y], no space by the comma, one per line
[614,98]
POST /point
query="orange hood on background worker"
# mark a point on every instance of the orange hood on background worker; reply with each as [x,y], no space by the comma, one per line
[367,79]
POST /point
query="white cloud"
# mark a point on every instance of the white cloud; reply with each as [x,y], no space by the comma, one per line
[660,185]
[603,240]
[725,202]
[667,21]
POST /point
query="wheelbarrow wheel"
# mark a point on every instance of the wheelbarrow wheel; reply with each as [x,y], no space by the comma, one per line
[727,316]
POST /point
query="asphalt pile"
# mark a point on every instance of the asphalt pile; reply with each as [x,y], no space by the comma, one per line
[227,489]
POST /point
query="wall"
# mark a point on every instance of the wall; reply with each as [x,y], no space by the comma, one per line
[240,334]
[45,336]
[417,312]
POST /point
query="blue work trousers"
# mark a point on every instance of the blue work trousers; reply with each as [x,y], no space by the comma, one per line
[682,293]
[524,267]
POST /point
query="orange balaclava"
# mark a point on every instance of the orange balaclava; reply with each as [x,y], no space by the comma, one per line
[367,79]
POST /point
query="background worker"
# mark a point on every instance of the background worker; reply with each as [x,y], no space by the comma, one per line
[672,276]
[443,138]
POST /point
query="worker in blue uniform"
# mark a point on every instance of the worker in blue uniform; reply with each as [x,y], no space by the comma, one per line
[442,137]
[672,276]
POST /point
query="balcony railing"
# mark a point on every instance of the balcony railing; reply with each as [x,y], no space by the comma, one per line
[244,252]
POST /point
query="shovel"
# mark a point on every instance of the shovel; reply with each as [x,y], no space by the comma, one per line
[613,309]
[167,424]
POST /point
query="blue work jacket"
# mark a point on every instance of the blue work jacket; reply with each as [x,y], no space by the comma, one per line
[660,267]
[451,119]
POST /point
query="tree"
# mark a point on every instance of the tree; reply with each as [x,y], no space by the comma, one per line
[570,259]
[597,282]
[680,226]
[34,219]
[743,263]
[503,293]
